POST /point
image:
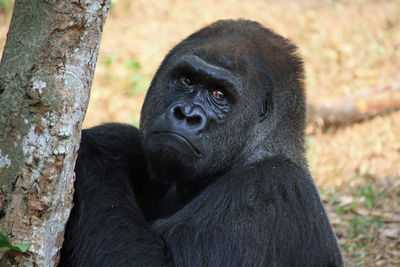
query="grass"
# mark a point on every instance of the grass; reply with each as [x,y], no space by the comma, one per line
[6,5]
[367,221]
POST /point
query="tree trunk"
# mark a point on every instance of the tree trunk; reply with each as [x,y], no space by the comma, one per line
[45,77]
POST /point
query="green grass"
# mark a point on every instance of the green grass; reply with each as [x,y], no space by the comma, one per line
[364,210]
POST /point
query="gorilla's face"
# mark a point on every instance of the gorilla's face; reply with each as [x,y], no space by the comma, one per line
[192,132]
[202,107]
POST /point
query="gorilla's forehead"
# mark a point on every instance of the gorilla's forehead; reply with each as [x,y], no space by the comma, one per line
[234,53]
[245,57]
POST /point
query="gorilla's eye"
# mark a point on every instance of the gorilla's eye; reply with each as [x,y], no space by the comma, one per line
[185,80]
[218,94]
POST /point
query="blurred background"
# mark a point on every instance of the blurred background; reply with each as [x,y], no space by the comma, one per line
[347,46]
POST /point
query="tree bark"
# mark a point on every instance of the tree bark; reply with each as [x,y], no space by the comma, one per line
[45,78]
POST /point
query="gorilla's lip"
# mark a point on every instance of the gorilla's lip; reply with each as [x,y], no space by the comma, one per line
[181,138]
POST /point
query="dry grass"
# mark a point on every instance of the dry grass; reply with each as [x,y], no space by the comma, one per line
[347,46]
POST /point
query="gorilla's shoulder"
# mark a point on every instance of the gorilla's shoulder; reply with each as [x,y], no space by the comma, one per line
[287,180]
[111,138]
[277,165]
[281,172]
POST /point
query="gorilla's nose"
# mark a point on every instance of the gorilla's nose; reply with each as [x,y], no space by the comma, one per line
[190,117]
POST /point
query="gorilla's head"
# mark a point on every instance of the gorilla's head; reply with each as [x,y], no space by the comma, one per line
[229,95]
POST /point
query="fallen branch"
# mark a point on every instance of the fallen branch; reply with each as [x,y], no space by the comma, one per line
[355,108]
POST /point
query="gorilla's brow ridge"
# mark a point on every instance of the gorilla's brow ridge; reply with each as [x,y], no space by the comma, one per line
[194,64]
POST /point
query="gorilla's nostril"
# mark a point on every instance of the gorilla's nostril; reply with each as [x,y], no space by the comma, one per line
[178,113]
[193,120]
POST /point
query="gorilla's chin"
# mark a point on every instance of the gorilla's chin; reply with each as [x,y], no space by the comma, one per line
[175,141]
[171,156]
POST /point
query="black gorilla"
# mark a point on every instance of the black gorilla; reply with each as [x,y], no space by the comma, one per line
[216,175]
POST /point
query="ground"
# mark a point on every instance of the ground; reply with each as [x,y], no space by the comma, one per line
[347,46]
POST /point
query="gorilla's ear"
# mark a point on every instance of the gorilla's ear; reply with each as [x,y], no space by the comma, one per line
[266,107]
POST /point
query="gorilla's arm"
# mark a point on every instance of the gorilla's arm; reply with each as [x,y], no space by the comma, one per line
[106,226]
[266,214]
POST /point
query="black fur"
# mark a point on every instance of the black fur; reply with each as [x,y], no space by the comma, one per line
[205,182]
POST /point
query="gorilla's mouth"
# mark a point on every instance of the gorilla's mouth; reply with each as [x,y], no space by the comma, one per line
[180,138]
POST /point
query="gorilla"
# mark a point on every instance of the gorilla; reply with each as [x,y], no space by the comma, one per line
[216,175]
